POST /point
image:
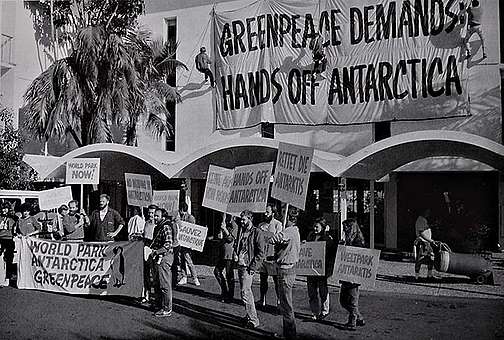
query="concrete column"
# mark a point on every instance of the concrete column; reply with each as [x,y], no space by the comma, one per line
[371,215]
[390,212]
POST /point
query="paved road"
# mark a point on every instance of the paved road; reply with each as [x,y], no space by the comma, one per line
[198,314]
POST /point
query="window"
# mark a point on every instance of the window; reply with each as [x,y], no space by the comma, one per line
[171,37]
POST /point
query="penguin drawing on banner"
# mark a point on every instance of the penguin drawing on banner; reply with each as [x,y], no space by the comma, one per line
[117,267]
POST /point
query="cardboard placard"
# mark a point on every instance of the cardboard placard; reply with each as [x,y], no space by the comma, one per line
[217,188]
[192,235]
[54,198]
[357,265]
[311,259]
[167,199]
[138,189]
[83,171]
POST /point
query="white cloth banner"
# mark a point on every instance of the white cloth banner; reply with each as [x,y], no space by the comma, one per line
[113,268]
[54,198]
[138,189]
[192,235]
[167,199]
[357,265]
[374,61]
[292,173]
[83,171]
[311,259]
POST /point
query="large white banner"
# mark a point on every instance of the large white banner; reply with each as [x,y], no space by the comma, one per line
[167,199]
[83,171]
[311,259]
[292,173]
[192,235]
[114,268]
[357,265]
[249,190]
[217,188]
[377,61]
[138,189]
[54,198]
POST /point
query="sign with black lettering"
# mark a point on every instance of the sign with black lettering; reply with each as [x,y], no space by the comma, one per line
[292,173]
[340,62]
[138,189]
[192,235]
[54,198]
[83,171]
[114,268]
[311,259]
[357,265]
[217,188]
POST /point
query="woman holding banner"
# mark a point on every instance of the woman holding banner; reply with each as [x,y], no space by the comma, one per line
[318,293]
[349,292]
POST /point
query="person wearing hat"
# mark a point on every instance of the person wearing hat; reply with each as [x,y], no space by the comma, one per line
[202,61]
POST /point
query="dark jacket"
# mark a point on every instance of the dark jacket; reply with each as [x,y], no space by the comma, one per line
[256,248]
[98,229]
[330,249]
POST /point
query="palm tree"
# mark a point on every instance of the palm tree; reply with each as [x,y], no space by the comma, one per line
[106,80]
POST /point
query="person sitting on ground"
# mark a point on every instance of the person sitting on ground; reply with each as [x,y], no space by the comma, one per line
[318,293]
[202,61]
[424,253]
[349,292]
[27,224]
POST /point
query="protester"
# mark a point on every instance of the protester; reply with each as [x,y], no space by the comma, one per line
[287,246]
[27,224]
[7,230]
[319,56]
[271,226]
[136,225]
[229,229]
[105,223]
[186,262]
[249,252]
[202,61]
[424,253]
[57,223]
[349,292]
[318,293]
[474,14]
[162,257]
[148,235]
[75,222]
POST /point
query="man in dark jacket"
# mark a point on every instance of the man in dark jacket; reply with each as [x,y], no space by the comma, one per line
[202,61]
[249,254]
[105,223]
[228,230]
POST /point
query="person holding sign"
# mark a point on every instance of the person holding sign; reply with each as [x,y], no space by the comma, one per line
[75,221]
[162,257]
[105,223]
[271,226]
[186,262]
[228,229]
[317,285]
[287,246]
[249,252]
[349,292]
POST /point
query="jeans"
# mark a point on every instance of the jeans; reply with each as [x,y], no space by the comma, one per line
[225,282]
[147,276]
[286,279]
[186,262]
[264,286]
[163,281]
[349,300]
[246,294]
[317,287]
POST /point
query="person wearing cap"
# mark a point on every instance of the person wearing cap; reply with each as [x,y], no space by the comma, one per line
[202,61]
[105,223]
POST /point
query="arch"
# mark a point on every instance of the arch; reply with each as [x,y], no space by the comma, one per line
[236,152]
[380,158]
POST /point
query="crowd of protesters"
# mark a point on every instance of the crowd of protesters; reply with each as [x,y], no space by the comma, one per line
[268,248]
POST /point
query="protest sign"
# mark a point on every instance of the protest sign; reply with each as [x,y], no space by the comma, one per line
[292,173]
[217,188]
[311,259]
[192,235]
[167,199]
[54,198]
[138,189]
[357,265]
[83,171]
[249,190]
[114,268]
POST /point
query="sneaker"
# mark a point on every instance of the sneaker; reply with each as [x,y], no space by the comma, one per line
[314,317]
[322,316]
[182,281]
[163,313]
[196,282]
[360,322]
